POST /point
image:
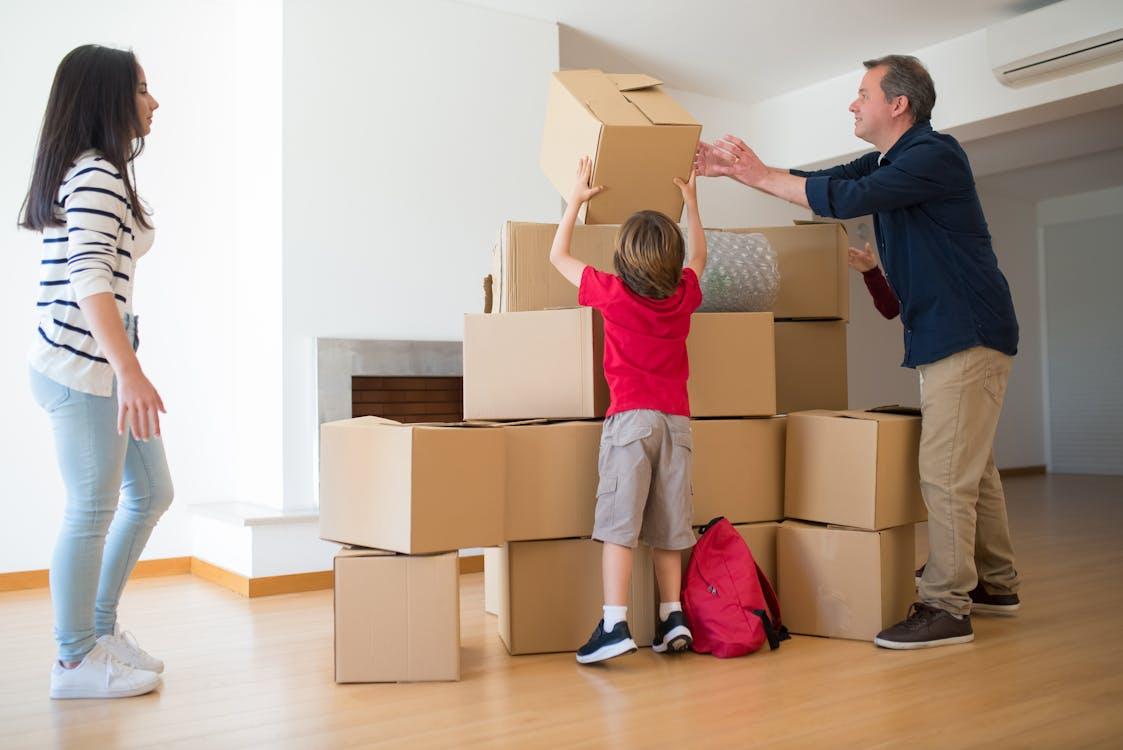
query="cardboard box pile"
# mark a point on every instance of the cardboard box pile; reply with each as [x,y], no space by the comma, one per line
[520,478]
[852,500]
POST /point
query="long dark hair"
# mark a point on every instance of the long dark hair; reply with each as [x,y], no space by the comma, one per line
[92,106]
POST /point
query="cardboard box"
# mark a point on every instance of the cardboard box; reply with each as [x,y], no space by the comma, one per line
[551,480]
[844,583]
[811,259]
[810,365]
[640,139]
[549,365]
[550,595]
[412,488]
[524,278]
[492,559]
[814,281]
[738,469]
[397,617]
[853,468]
[732,365]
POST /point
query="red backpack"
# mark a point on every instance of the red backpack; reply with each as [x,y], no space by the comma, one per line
[728,601]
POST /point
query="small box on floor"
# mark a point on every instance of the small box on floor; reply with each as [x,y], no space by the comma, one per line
[738,469]
[411,488]
[844,583]
[550,595]
[397,617]
[853,468]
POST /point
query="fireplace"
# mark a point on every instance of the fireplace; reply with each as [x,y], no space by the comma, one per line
[408,398]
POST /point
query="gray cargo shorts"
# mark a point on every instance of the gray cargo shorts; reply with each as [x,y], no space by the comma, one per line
[645,490]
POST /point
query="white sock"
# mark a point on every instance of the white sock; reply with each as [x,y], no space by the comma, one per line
[613,615]
[666,608]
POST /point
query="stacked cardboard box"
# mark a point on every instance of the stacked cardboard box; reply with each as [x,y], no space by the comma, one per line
[404,499]
[852,500]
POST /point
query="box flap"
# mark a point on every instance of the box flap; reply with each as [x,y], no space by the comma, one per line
[633,81]
[659,107]
[355,551]
[872,416]
[616,110]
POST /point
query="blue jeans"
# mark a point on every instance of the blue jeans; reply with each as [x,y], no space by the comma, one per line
[108,477]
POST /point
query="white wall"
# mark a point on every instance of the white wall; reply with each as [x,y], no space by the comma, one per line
[185,295]
[1082,258]
[812,125]
[411,133]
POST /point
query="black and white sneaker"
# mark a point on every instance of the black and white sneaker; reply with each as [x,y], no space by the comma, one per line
[993,604]
[672,634]
[602,646]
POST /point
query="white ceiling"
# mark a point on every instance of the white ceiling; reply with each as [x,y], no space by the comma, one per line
[748,50]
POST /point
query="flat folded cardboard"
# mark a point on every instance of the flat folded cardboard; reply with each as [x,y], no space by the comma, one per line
[550,595]
[411,488]
[844,583]
[811,257]
[811,260]
[639,138]
[535,365]
[551,480]
[549,365]
[738,469]
[761,538]
[810,365]
[853,468]
[397,617]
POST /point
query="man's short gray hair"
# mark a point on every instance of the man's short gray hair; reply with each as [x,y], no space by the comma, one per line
[906,76]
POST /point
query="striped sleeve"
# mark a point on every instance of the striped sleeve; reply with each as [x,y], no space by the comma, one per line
[96,208]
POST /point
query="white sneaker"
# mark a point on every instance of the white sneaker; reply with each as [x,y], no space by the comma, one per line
[124,646]
[100,675]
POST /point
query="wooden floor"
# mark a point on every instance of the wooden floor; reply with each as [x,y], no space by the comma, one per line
[258,673]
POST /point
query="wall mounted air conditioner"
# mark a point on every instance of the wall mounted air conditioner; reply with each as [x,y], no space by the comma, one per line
[1058,36]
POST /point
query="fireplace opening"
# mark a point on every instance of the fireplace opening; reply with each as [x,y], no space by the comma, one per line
[409,399]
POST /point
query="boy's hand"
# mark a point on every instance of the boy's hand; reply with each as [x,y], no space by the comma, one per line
[862,260]
[689,188]
[581,190]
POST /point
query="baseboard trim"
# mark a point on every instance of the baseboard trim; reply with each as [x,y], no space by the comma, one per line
[39,579]
[248,587]
[1022,471]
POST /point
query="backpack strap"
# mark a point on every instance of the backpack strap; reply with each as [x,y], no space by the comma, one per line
[774,629]
[709,525]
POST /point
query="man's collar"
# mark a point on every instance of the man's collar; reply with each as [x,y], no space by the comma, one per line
[908,136]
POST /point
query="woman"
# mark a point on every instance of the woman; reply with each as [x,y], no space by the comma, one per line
[84,371]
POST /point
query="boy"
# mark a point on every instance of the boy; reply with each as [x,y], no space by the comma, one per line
[645,451]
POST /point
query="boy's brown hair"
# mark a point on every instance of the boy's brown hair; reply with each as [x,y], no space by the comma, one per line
[649,255]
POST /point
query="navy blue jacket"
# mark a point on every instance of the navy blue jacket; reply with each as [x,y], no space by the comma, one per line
[933,240]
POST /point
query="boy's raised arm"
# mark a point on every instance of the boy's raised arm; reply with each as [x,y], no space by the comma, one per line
[567,265]
[695,235]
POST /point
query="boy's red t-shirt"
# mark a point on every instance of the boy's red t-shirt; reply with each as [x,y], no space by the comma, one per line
[645,360]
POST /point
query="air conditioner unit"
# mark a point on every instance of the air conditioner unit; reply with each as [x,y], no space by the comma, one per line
[1056,37]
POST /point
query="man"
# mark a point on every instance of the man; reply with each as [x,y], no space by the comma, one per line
[960,329]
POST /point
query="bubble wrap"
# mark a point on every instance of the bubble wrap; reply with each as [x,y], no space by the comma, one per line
[741,273]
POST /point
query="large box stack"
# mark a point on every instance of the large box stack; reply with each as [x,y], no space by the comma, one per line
[403,499]
[852,500]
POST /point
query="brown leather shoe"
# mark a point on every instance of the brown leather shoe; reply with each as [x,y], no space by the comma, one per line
[926,627]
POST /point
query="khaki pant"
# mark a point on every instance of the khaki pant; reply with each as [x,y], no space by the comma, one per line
[968,535]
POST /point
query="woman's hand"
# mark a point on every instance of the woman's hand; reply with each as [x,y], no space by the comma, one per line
[581,190]
[862,260]
[138,406]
